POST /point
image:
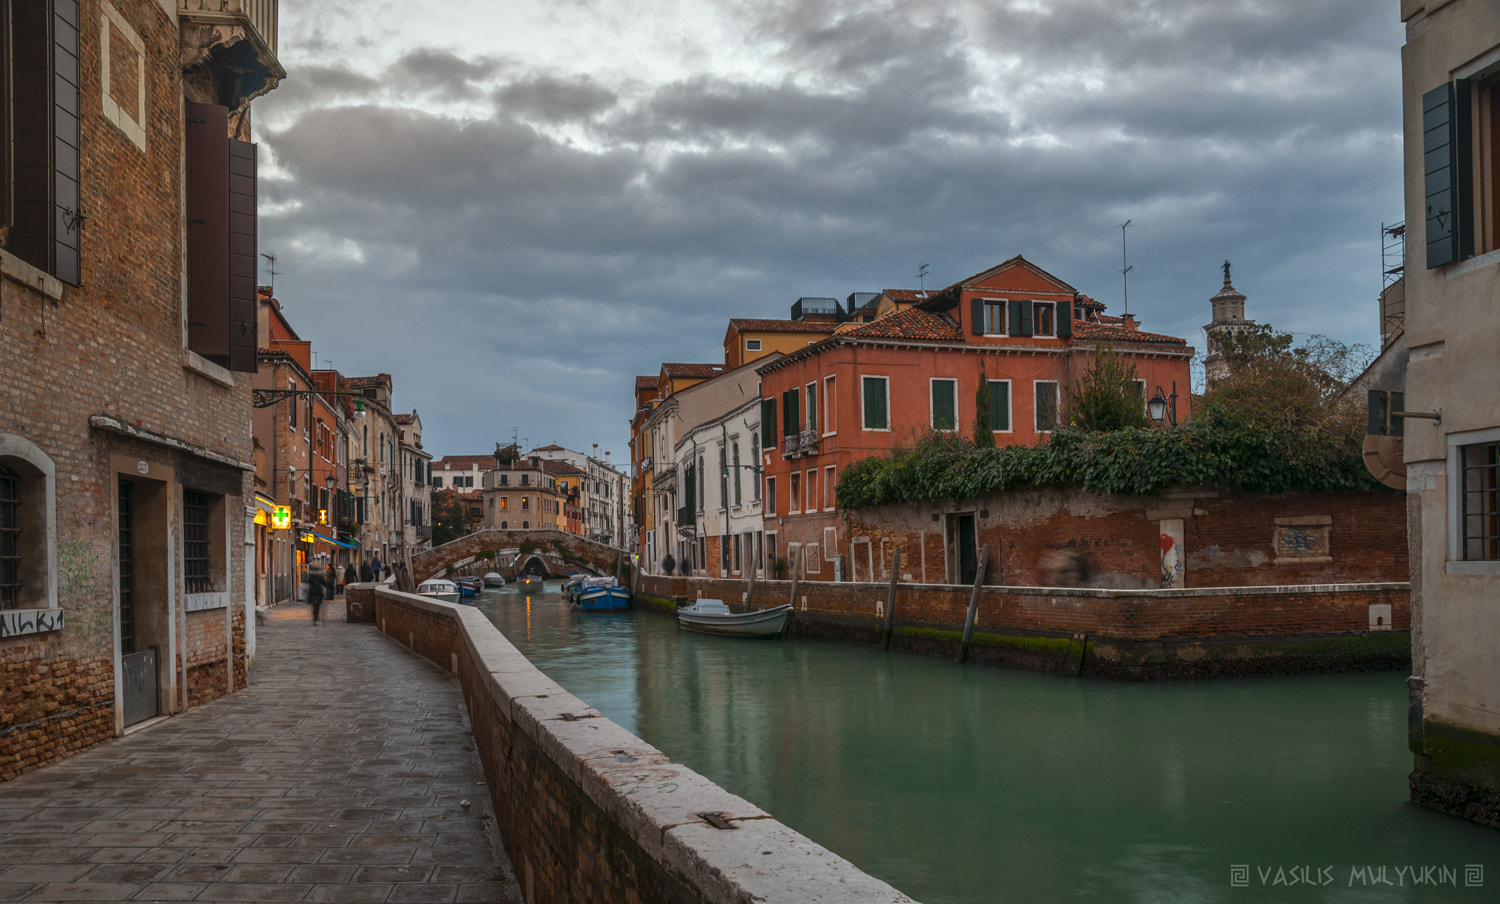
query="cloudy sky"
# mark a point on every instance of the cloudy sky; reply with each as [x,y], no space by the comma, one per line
[515,207]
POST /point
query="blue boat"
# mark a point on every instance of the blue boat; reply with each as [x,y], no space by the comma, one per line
[469,586]
[601,595]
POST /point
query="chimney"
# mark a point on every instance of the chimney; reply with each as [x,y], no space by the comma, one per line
[1129,322]
[606,457]
[596,451]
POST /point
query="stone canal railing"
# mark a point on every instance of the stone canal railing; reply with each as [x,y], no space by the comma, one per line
[590,812]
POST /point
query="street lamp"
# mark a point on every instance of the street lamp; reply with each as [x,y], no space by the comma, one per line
[1158,405]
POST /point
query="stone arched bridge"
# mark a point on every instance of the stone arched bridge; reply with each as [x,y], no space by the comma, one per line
[554,548]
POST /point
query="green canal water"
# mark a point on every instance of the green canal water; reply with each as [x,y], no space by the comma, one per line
[979,784]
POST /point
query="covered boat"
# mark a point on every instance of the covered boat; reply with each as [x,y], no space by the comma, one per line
[713,617]
[601,595]
[493,579]
[441,589]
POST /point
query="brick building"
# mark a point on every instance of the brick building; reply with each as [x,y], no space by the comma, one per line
[127,338]
[870,387]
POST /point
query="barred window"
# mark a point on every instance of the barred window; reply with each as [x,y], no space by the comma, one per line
[1481,501]
[10,538]
[195,542]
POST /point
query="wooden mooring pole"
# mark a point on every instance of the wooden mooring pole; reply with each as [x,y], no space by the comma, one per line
[796,573]
[963,647]
[750,591]
[890,600]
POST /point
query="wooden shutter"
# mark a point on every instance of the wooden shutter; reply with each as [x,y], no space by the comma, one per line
[944,415]
[1065,320]
[1447,165]
[874,403]
[242,258]
[767,424]
[66,207]
[1020,317]
[208,230]
[44,166]
[976,316]
[999,405]
[812,407]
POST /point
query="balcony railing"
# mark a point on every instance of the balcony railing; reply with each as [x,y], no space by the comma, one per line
[795,444]
[686,517]
[260,15]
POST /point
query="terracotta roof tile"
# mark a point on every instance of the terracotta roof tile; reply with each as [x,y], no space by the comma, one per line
[647,382]
[906,296]
[693,370]
[750,324]
[912,323]
[464,462]
[1082,329]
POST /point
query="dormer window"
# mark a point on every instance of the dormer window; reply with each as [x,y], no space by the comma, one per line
[1044,318]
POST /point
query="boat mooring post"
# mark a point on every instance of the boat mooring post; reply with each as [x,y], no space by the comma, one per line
[750,591]
[796,573]
[890,600]
[963,648]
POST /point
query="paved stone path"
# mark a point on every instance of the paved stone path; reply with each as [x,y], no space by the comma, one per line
[340,775]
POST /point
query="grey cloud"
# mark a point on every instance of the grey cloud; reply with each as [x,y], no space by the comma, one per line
[442,72]
[554,100]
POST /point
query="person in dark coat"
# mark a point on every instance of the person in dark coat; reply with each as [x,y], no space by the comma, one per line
[317,588]
[366,573]
[331,577]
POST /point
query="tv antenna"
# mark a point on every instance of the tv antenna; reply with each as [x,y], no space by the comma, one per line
[271,268]
[1125,265]
[922,279]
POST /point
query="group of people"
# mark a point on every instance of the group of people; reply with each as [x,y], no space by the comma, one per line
[328,583]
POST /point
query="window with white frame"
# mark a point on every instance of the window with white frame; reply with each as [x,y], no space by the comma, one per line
[994,316]
[875,395]
[1044,318]
[944,403]
[830,499]
[752,345]
[794,501]
[1000,406]
[1479,501]
[812,490]
[830,425]
[1045,394]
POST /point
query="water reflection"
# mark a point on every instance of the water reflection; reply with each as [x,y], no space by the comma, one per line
[976,784]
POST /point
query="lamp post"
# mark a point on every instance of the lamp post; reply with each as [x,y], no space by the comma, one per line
[1158,405]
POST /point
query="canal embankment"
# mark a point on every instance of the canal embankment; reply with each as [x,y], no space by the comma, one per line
[1196,632]
[590,812]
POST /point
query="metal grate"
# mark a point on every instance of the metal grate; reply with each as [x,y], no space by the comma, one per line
[10,538]
[127,567]
[195,541]
[1481,504]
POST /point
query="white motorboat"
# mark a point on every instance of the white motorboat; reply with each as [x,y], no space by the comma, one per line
[713,617]
[493,579]
[439,589]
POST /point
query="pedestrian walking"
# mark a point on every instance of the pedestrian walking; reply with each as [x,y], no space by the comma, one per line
[376,565]
[366,573]
[332,577]
[317,587]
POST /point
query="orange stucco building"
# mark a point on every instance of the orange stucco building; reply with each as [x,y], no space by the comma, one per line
[869,387]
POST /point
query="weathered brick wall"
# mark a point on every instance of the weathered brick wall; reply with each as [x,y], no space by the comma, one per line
[112,346]
[360,600]
[588,811]
[1147,633]
[1229,537]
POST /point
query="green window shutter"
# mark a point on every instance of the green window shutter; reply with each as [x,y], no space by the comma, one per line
[1020,317]
[999,405]
[793,412]
[944,405]
[1065,320]
[875,404]
[1447,165]
[767,424]
[976,316]
[812,407]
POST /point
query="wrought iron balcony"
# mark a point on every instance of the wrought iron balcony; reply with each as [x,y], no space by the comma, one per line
[687,518]
[791,445]
[808,441]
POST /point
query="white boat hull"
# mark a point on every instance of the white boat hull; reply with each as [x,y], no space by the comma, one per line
[763,623]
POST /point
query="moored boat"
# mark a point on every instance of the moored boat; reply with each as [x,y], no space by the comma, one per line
[469,586]
[492,579]
[601,595]
[713,617]
[440,589]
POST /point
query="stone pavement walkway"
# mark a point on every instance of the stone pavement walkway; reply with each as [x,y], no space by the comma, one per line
[342,774]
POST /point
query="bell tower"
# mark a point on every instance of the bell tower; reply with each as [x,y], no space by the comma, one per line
[1228,319]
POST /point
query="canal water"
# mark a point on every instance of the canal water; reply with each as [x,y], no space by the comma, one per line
[979,784]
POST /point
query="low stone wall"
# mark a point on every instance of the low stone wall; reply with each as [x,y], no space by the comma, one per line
[1194,632]
[590,812]
[360,599]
